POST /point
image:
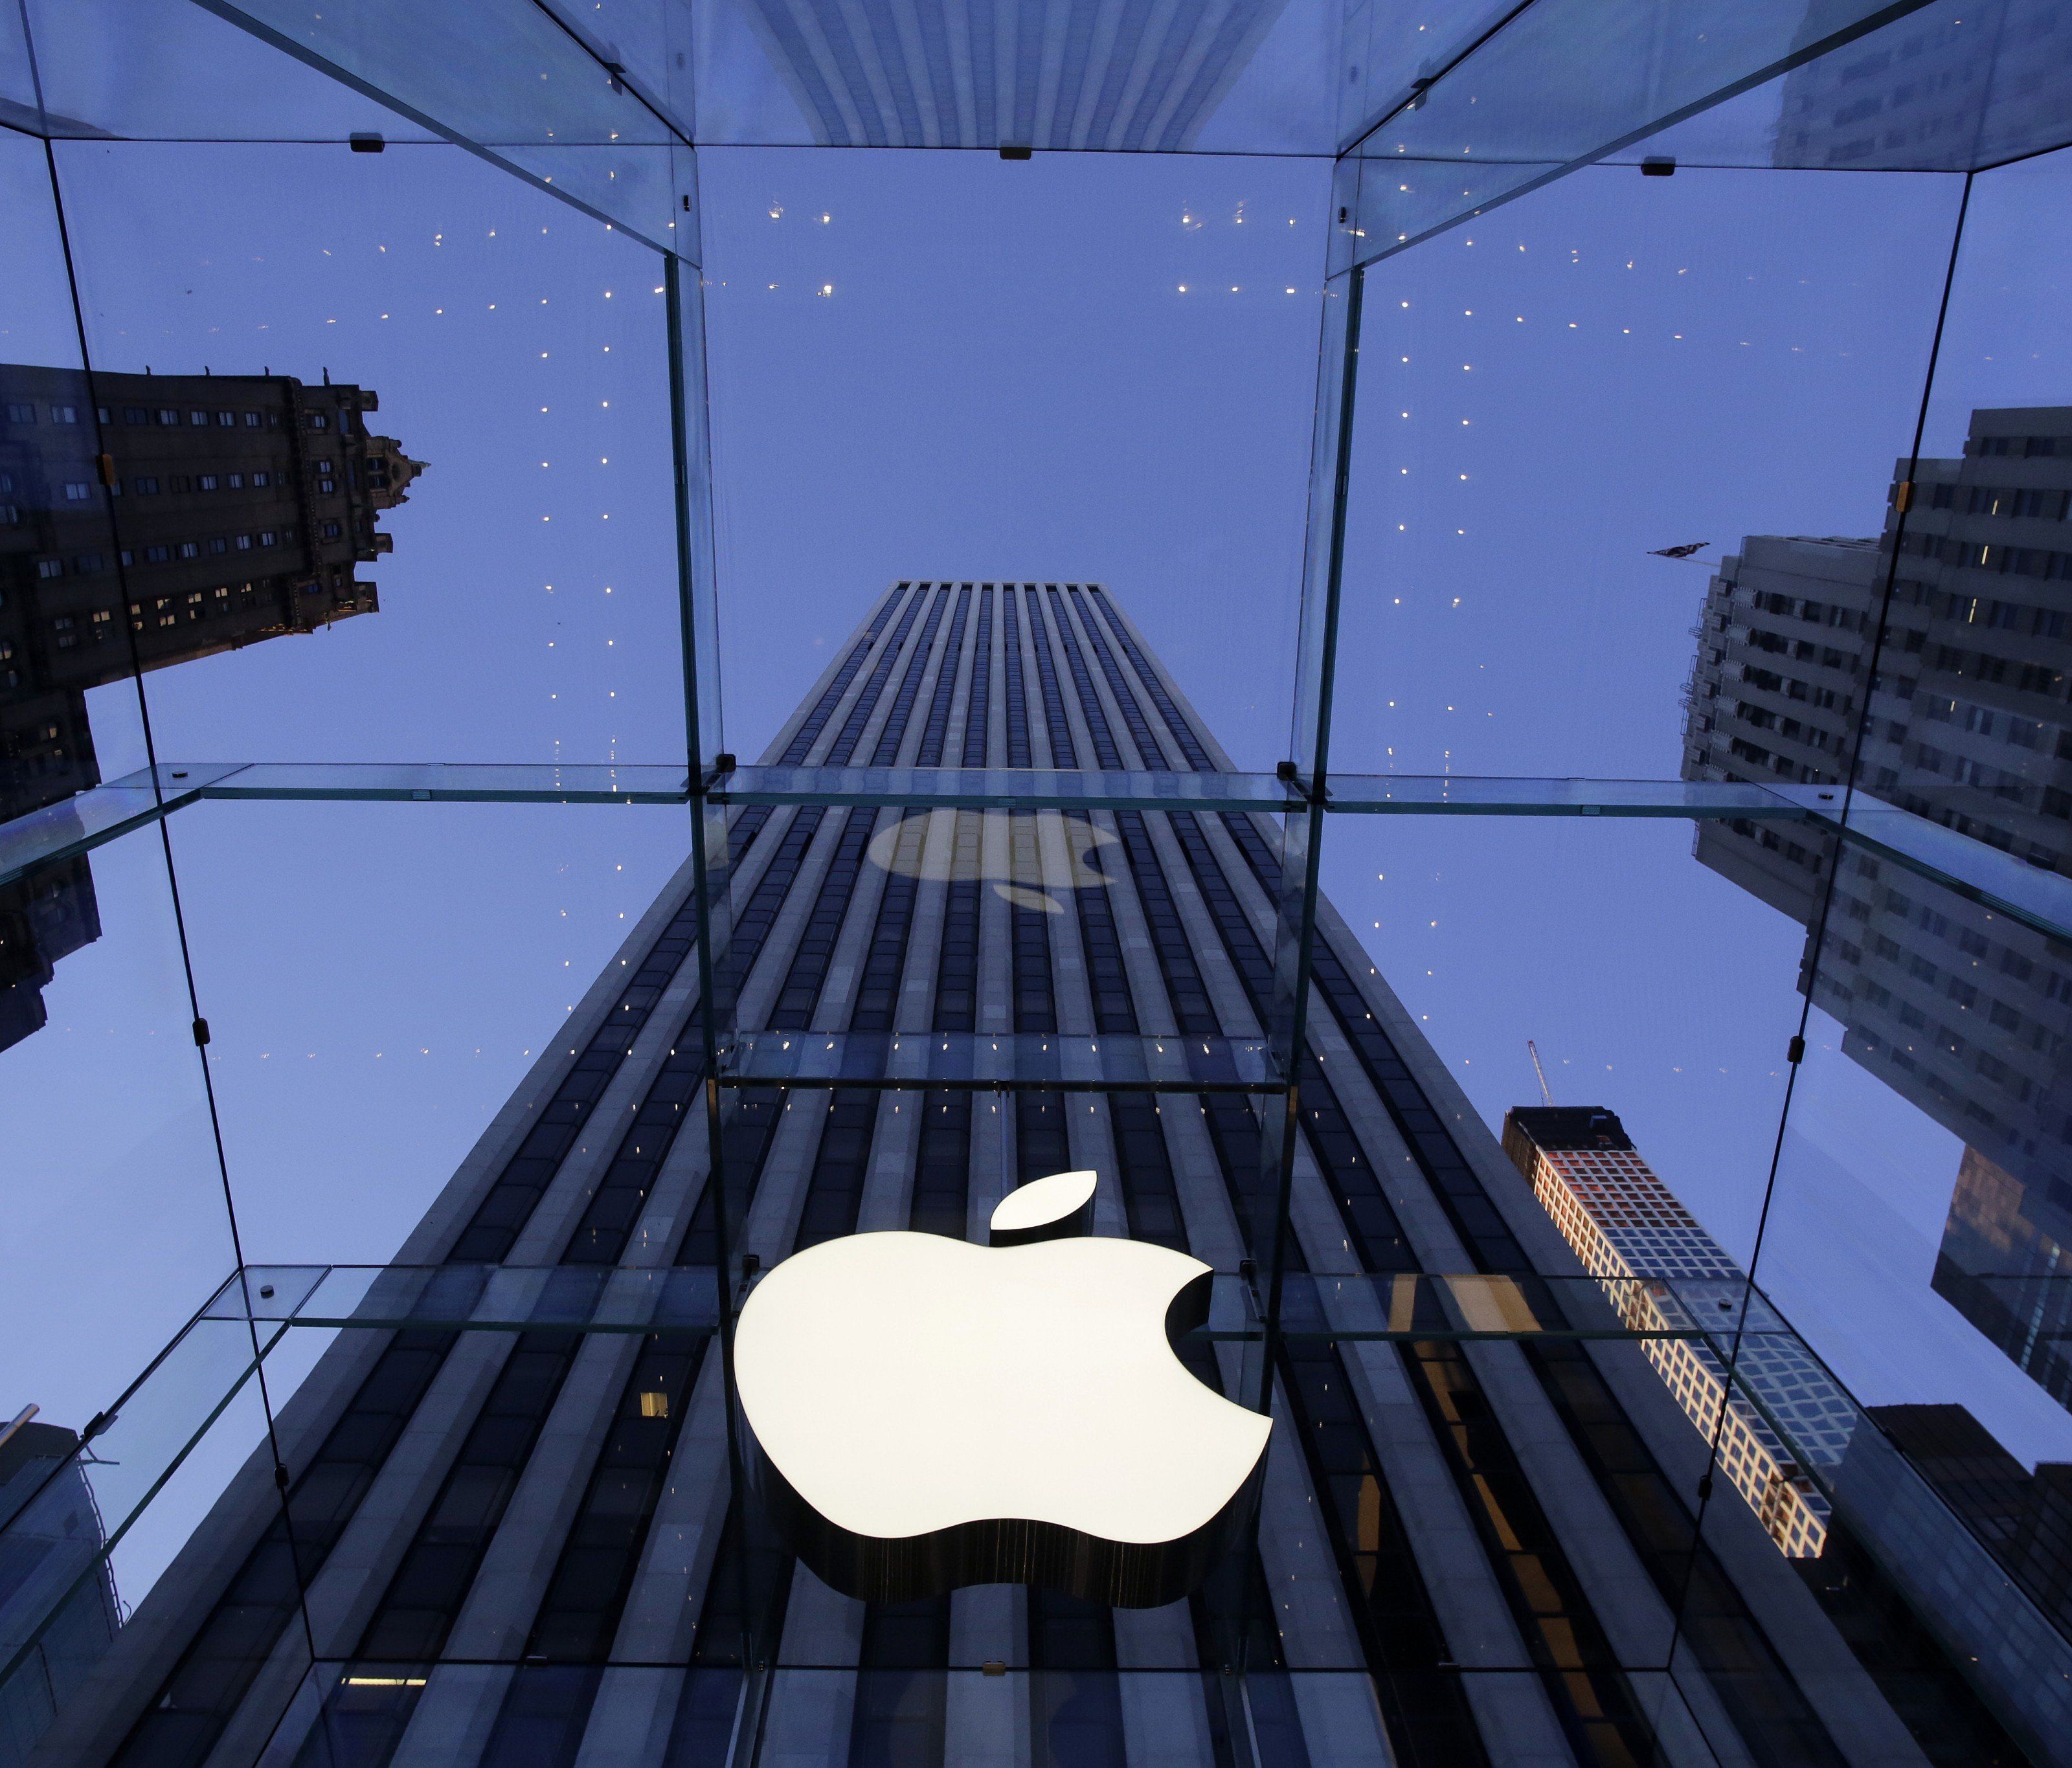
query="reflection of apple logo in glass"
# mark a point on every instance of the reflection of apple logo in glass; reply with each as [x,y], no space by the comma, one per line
[1009,858]
[927,1414]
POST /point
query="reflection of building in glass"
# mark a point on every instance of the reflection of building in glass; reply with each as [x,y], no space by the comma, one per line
[2002,1265]
[1965,1012]
[58,1606]
[1948,85]
[2025,1518]
[1035,73]
[485,1519]
[222,509]
[1627,1227]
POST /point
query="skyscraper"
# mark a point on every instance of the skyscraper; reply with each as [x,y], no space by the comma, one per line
[223,509]
[521,1544]
[1661,1271]
[1964,1011]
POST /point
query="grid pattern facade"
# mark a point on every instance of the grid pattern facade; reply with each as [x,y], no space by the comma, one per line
[1627,1227]
[523,1548]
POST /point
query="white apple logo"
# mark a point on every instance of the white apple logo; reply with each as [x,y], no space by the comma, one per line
[927,1413]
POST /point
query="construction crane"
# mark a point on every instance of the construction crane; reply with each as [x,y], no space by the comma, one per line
[1532,1049]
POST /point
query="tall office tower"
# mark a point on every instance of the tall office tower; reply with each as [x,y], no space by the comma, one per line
[1964,1011]
[1663,1271]
[520,1546]
[223,508]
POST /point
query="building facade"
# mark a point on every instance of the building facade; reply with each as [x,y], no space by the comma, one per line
[1965,1012]
[524,1546]
[1663,1271]
[147,520]
[52,1567]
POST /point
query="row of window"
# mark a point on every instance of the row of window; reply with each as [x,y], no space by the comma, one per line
[2050,506]
[165,417]
[2020,447]
[173,552]
[147,484]
[2038,561]
[2023,732]
[1815,613]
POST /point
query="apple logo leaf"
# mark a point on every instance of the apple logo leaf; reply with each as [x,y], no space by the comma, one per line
[923,1413]
[1044,1209]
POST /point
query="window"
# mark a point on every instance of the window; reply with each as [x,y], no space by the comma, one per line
[226,420]
[105,414]
[135,414]
[252,420]
[324,466]
[167,415]
[190,549]
[200,419]
[245,543]
[236,482]
[260,481]
[206,483]
[49,568]
[64,414]
[78,491]
[268,538]
[331,531]
[88,563]
[157,555]
[103,622]
[21,414]
[327,486]
[218,544]
[145,485]
[9,516]
[318,421]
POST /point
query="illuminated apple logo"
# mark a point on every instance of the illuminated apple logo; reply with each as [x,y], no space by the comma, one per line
[927,1414]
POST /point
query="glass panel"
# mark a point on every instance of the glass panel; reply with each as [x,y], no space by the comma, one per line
[519,86]
[1254,78]
[829,336]
[300,391]
[382,1070]
[1501,122]
[1535,604]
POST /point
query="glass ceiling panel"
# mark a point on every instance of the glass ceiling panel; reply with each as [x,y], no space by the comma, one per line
[1563,83]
